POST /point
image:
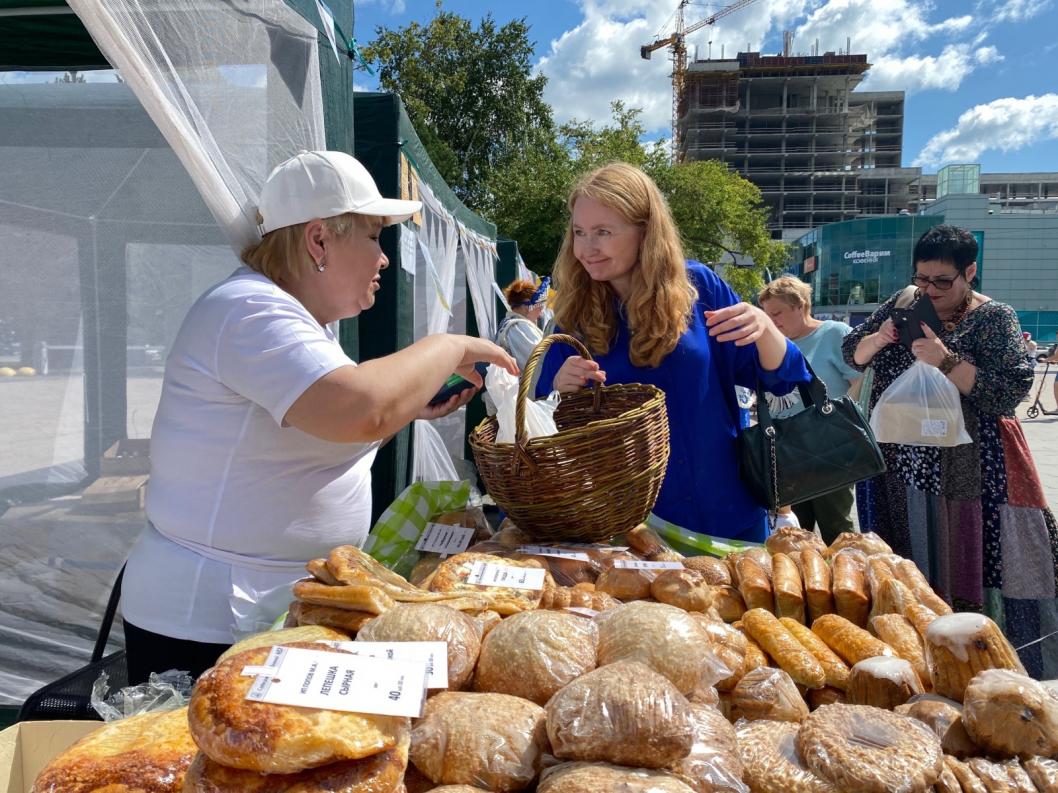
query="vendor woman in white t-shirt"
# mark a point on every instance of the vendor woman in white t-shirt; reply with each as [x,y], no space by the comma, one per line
[262,446]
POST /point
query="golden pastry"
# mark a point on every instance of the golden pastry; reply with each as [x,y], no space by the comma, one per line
[791,540]
[788,588]
[882,682]
[1011,715]
[898,633]
[770,694]
[771,763]
[452,574]
[849,641]
[835,669]
[308,633]
[714,570]
[944,717]
[780,644]
[958,646]
[852,598]
[599,777]
[348,622]
[817,580]
[685,589]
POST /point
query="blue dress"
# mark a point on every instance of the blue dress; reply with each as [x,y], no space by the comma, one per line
[702,490]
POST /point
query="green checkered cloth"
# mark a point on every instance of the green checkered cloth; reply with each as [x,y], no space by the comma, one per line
[691,543]
[392,540]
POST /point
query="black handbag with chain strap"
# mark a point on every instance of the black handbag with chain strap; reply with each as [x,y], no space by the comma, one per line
[825,447]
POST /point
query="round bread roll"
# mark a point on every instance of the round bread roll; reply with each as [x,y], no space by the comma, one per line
[685,589]
[304,633]
[380,772]
[791,539]
[431,622]
[623,713]
[715,571]
[882,681]
[665,638]
[958,646]
[624,583]
[534,654]
[770,761]
[151,752]
[869,750]
[603,778]
[944,717]
[1011,715]
[494,741]
[278,739]
[729,603]
[768,693]
[868,542]
[713,764]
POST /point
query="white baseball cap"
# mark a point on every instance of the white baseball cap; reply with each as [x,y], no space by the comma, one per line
[324,184]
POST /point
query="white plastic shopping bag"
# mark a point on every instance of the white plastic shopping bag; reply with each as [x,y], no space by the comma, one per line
[920,408]
[539,416]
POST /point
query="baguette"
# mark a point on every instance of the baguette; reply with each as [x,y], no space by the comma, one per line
[789,591]
[849,641]
[791,656]
[852,598]
[818,591]
[836,670]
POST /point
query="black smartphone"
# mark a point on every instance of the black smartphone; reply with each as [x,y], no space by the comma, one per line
[456,384]
[908,321]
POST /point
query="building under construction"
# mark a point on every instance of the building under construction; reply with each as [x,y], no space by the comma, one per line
[818,150]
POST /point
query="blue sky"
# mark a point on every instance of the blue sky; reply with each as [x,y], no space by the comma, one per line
[979,75]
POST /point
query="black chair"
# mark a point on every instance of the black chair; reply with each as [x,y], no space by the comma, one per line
[70,697]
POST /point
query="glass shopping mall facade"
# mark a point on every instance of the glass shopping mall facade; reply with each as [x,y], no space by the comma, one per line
[857,264]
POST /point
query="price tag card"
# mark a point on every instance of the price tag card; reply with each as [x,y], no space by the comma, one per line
[636,564]
[583,612]
[433,654]
[336,681]
[560,553]
[934,428]
[493,574]
[445,540]
[596,546]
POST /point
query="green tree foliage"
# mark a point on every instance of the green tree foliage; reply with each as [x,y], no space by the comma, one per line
[470,92]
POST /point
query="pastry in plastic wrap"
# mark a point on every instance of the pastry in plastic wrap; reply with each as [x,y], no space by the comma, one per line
[946,782]
[318,568]
[958,646]
[828,695]
[431,622]
[715,571]
[819,594]
[882,682]
[278,739]
[665,638]
[487,619]
[348,622]
[493,741]
[849,641]
[792,539]
[1011,715]
[852,597]
[451,576]
[909,573]
[307,633]
[376,774]
[968,780]
[890,596]
[754,582]
[352,597]
[1044,773]
[868,542]
[869,750]
[1019,777]
[625,584]
[788,588]
[564,597]
[685,589]
[944,717]
[784,649]
[729,603]
[898,633]
[534,654]
[835,670]
[768,694]
[993,776]
[457,789]
[771,763]
[729,646]
[149,752]
[601,777]
[713,765]
[623,713]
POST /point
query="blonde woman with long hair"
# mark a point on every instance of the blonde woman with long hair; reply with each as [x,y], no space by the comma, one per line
[648,315]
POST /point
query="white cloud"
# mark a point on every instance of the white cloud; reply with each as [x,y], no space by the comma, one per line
[1013,10]
[393,6]
[598,60]
[1005,124]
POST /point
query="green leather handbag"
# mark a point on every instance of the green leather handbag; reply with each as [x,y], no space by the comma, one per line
[825,447]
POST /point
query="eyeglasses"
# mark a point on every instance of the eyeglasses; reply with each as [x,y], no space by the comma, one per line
[942,284]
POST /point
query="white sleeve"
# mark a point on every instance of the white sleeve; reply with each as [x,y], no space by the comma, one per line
[270,350]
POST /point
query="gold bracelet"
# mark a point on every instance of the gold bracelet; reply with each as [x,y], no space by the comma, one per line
[950,361]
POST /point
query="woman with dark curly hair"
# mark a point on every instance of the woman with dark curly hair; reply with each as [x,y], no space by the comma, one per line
[973,517]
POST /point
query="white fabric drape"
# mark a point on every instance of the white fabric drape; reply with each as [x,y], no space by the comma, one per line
[438,244]
[235,89]
[480,254]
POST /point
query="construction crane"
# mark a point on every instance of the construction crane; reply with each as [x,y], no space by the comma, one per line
[677,40]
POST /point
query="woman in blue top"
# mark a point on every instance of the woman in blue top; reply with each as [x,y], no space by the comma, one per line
[649,316]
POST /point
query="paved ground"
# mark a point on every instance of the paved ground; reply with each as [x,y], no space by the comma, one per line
[1042,435]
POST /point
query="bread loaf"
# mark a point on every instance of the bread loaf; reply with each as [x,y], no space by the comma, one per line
[819,595]
[685,589]
[788,588]
[944,717]
[898,633]
[715,571]
[868,542]
[882,682]
[1011,715]
[958,646]
[599,777]
[852,598]
[767,693]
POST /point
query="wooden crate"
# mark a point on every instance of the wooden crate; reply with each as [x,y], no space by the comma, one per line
[115,494]
[127,457]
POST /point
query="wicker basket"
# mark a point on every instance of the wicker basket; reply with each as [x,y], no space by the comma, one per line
[597,477]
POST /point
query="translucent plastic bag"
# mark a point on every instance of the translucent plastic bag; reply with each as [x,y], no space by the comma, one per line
[166,691]
[920,408]
[539,416]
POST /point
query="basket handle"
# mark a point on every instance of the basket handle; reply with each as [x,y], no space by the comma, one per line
[527,378]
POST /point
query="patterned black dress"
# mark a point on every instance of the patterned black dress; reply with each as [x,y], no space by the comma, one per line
[973,517]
